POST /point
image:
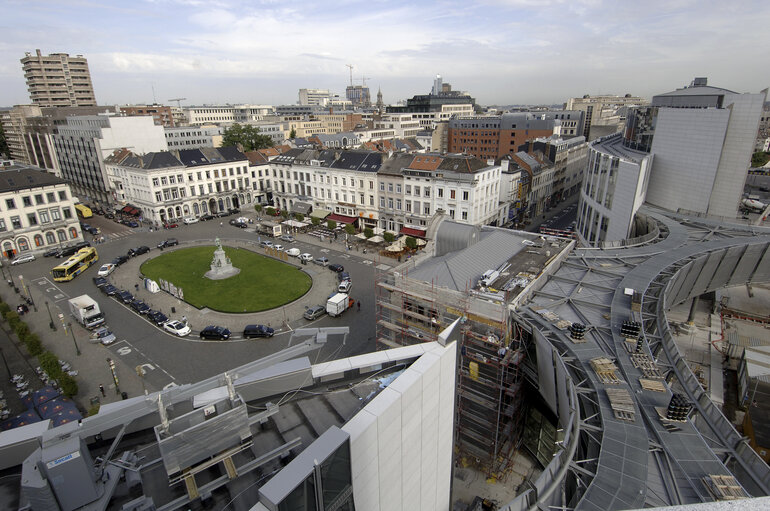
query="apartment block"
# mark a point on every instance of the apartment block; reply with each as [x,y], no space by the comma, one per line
[58,80]
[605,114]
[494,137]
[161,115]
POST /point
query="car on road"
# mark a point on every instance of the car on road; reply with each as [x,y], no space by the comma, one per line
[102,335]
[109,290]
[132,224]
[190,220]
[344,286]
[293,252]
[321,261]
[133,252]
[26,258]
[119,260]
[287,238]
[234,211]
[278,247]
[106,269]
[306,257]
[71,249]
[343,276]
[215,332]
[51,252]
[177,328]
[314,312]
[266,244]
[170,225]
[139,306]
[250,331]
[207,217]
[336,268]
[239,224]
[125,296]
[168,243]
[89,228]
[156,317]
[100,281]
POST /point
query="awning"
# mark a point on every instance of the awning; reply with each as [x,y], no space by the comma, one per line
[320,213]
[342,218]
[302,208]
[420,233]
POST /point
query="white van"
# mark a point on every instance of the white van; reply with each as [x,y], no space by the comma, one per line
[344,286]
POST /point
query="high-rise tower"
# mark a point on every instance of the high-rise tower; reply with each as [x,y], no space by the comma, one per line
[58,80]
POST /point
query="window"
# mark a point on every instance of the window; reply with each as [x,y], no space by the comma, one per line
[44,218]
[67,212]
[38,240]
[51,197]
[158,196]
[408,205]
[390,187]
[452,214]
[55,214]
[50,238]
[171,180]
[360,183]
[398,188]
[179,178]
[201,190]
[216,173]
[465,215]
[382,187]
[427,208]
[163,181]
[382,202]
[62,235]
[155,181]
[417,191]
[398,204]
[343,182]
[439,192]
[371,200]
[32,219]
[23,245]
[371,185]
[16,222]
[27,201]
[3,228]
[427,191]
[390,203]
[73,233]
[62,195]
[452,194]
[408,189]
[465,195]
[361,198]
[192,190]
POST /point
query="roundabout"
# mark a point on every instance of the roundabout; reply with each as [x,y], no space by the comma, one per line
[263,283]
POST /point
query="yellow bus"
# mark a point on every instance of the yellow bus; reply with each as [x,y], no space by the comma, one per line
[75,265]
[83,211]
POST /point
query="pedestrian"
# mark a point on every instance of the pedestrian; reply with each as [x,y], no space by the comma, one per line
[221,224]
[184,319]
[136,287]
[359,305]
[101,389]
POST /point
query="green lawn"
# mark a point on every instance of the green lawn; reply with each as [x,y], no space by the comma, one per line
[263,283]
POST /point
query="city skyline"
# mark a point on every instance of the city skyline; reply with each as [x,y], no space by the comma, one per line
[231,51]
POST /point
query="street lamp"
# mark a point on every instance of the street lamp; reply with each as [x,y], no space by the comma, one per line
[52,325]
[72,331]
[114,375]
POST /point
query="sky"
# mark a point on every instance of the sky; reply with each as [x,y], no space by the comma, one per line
[500,51]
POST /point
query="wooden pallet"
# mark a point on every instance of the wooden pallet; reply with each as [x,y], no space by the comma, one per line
[622,404]
[724,487]
[605,370]
[653,385]
[646,365]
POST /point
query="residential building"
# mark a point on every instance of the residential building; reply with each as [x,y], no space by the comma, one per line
[84,141]
[358,95]
[403,125]
[161,115]
[494,137]
[171,185]
[605,114]
[194,137]
[217,114]
[58,80]
[568,158]
[36,210]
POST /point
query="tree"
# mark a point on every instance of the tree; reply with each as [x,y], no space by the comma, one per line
[759,159]
[350,229]
[410,242]
[50,364]
[270,211]
[69,386]
[258,208]
[34,346]
[315,221]
[368,232]
[245,136]
[293,134]
[299,217]
[389,237]
[284,214]
[331,225]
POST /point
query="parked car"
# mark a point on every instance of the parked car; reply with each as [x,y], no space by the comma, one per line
[215,332]
[132,224]
[287,238]
[109,290]
[168,243]
[344,286]
[190,220]
[336,267]
[71,249]
[133,252]
[100,281]
[293,252]
[178,328]
[170,225]
[250,331]
[102,335]
[125,296]
[314,312]
[266,244]
[343,276]
[240,225]
[26,258]
[157,317]
[51,252]
[234,211]
[277,247]
[119,260]
[306,257]
[139,306]
[321,261]
[206,217]
[106,269]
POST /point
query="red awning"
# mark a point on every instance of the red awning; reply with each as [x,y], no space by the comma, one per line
[127,208]
[342,218]
[413,232]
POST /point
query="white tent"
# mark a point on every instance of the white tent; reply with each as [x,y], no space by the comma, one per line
[361,236]
[376,239]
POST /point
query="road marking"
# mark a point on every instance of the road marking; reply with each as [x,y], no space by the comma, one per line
[126,350]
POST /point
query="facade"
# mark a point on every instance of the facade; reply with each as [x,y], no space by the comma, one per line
[315,97]
[36,211]
[358,95]
[161,115]
[170,185]
[84,141]
[58,80]
[613,190]
[217,114]
[494,137]
[603,113]
[193,137]
[403,125]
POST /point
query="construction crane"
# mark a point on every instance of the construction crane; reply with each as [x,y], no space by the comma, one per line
[351,73]
[178,101]
[363,80]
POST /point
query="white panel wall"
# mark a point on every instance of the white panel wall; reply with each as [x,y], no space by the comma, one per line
[401,442]
[139,134]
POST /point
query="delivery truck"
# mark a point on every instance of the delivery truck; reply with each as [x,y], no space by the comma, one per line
[86,311]
[338,303]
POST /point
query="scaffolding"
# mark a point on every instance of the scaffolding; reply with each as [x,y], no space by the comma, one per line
[489,380]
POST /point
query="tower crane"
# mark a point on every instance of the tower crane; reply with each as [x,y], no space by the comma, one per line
[351,73]
[178,101]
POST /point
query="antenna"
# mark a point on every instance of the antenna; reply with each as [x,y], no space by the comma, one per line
[351,73]
[178,101]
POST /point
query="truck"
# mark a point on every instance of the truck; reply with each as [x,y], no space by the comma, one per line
[338,303]
[86,311]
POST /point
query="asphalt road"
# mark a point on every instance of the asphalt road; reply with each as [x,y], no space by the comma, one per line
[170,360]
